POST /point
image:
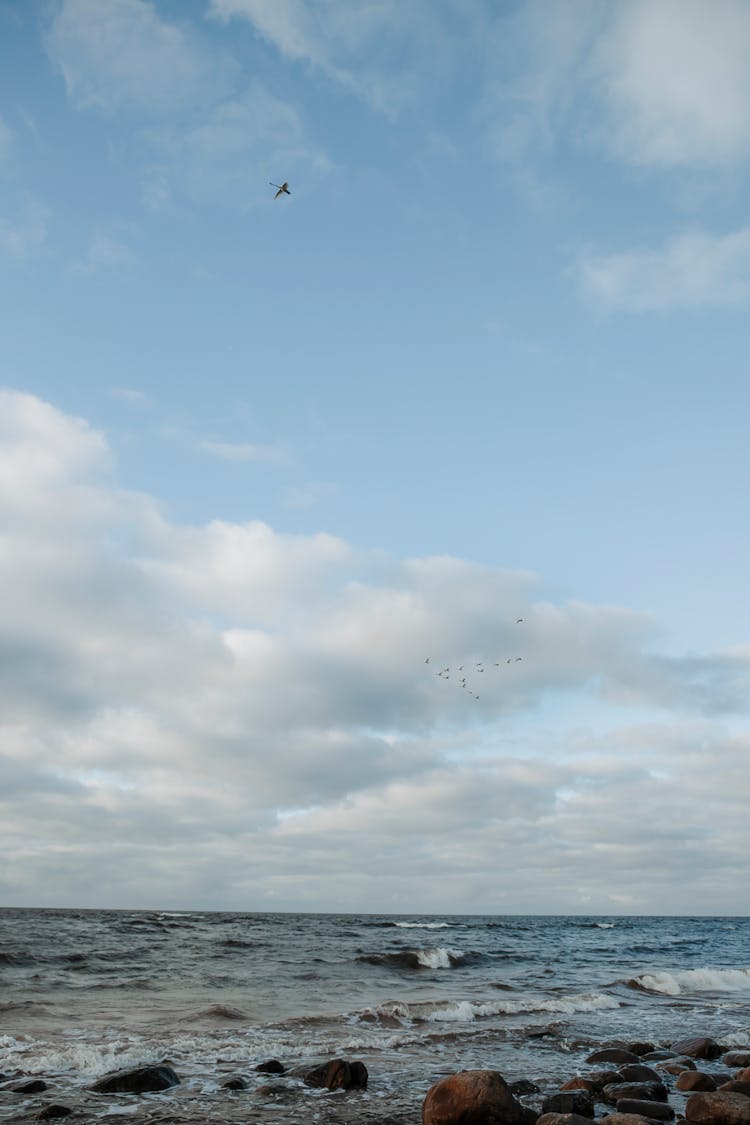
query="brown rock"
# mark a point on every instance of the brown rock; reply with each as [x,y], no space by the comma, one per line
[474,1097]
[655,1111]
[695,1080]
[338,1074]
[616,1055]
[641,1049]
[736,1086]
[625,1119]
[235,1083]
[737,1058]
[581,1083]
[579,1102]
[744,1075]
[272,1066]
[641,1091]
[138,1080]
[674,1067]
[701,1047]
[638,1072]
[721,1107]
[562,1119]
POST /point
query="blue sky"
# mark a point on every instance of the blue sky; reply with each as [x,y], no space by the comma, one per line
[262,457]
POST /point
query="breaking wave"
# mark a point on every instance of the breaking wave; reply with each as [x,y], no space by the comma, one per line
[688,981]
[439,958]
[466,1011]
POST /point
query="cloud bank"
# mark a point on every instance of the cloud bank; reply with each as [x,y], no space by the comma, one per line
[230,715]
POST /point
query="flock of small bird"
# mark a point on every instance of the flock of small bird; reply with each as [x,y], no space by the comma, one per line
[459,673]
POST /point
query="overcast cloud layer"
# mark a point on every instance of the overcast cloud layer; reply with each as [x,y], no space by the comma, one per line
[226,715]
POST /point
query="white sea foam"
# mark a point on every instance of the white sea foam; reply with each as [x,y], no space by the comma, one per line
[423,925]
[604,925]
[678,983]
[465,1011]
[439,958]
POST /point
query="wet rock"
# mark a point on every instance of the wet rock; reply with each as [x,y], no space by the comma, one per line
[272,1091]
[474,1097]
[655,1111]
[521,1087]
[700,1047]
[736,1058]
[658,1056]
[137,1080]
[676,1066]
[51,1111]
[744,1075]
[562,1119]
[625,1119]
[338,1074]
[617,1055]
[736,1086]
[638,1072]
[722,1107]
[695,1080]
[235,1083]
[34,1086]
[579,1102]
[641,1049]
[271,1066]
[640,1091]
[582,1083]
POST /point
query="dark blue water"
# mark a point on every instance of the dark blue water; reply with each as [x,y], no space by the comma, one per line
[82,992]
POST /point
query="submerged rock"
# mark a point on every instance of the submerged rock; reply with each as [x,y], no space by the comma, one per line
[474,1097]
[338,1074]
[34,1086]
[137,1080]
[52,1111]
[616,1055]
[271,1066]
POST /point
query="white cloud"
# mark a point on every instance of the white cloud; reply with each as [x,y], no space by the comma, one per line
[123,54]
[676,83]
[660,83]
[362,46]
[26,232]
[243,452]
[260,703]
[692,270]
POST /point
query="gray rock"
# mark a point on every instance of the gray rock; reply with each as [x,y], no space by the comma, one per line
[137,1080]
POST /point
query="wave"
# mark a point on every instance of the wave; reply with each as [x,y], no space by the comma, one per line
[686,981]
[423,925]
[466,1011]
[15,957]
[216,1012]
[439,958]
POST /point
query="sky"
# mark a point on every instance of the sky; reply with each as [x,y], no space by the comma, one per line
[273,470]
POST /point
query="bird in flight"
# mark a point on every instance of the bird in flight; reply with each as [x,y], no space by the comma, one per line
[283,189]
[519,620]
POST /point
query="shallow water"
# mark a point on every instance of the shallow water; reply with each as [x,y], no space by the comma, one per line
[85,992]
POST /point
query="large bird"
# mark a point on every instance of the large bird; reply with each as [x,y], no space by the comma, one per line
[283,189]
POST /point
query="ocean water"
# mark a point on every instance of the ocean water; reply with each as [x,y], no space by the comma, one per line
[413,997]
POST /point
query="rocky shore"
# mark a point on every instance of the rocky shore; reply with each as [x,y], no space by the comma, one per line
[693,1081]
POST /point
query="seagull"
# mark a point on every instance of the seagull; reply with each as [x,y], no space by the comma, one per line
[427,661]
[283,189]
[519,620]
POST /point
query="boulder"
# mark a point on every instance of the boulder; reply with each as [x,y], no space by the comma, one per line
[474,1097]
[579,1082]
[736,1058]
[700,1047]
[743,1075]
[271,1066]
[641,1049]
[737,1086]
[137,1080]
[617,1055]
[721,1107]
[562,1119]
[695,1080]
[521,1087]
[338,1074]
[625,1119]
[638,1072]
[33,1086]
[579,1102]
[235,1083]
[641,1091]
[657,1056]
[655,1111]
[49,1112]
[676,1066]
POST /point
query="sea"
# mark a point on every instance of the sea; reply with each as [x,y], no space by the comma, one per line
[86,992]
